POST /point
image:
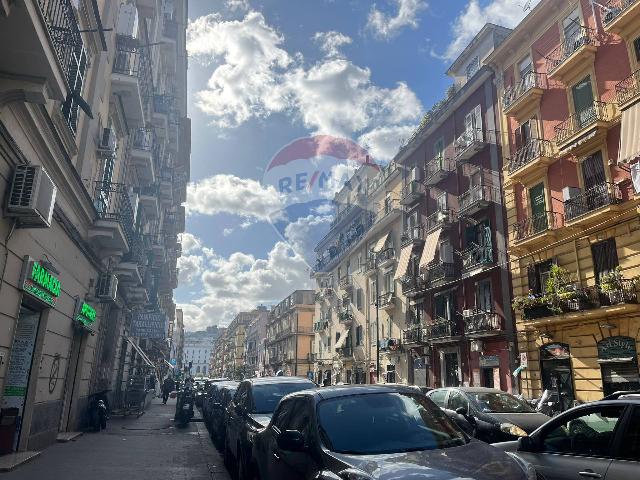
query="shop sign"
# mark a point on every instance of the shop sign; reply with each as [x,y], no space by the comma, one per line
[149,325]
[489,361]
[616,347]
[85,313]
[38,282]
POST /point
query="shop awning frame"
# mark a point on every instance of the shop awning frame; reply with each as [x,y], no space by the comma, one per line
[629,139]
[403,261]
[143,355]
[430,245]
[381,243]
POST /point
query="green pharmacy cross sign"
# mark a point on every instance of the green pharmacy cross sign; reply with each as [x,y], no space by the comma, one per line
[39,282]
[86,314]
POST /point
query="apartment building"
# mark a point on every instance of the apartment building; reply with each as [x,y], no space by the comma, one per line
[216,362]
[453,267]
[569,91]
[197,350]
[234,354]
[290,335]
[94,170]
[255,346]
[359,314]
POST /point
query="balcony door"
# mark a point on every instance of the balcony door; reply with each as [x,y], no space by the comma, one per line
[583,105]
[525,68]
[483,296]
[571,28]
[595,182]
[538,208]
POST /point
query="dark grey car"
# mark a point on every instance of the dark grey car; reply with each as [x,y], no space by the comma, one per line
[372,432]
[599,440]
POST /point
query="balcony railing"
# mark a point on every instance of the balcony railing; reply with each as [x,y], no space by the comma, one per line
[439,272]
[581,37]
[479,195]
[386,299]
[162,103]
[387,208]
[345,351]
[413,235]
[527,83]
[477,256]
[346,281]
[386,255]
[414,335]
[442,328]
[469,141]
[113,202]
[437,169]
[132,60]
[626,292]
[536,224]
[411,192]
[482,322]
[342,214]
[599,111]
[535,149]
[615,8]
[439,219]
[592,199]
[629,88]
[411,284]
[143,139]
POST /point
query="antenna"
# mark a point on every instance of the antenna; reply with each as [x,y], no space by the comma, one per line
[526,6]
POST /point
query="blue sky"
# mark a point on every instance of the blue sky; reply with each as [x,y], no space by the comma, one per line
[265,72]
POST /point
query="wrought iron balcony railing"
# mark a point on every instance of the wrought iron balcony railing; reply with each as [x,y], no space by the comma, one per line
[528,82]
[599,196]
[442,328]
[386,299]
[629,88]
[386,255]
[414,335]
[598,111]
[132,60]
[437,168]
[438,272]
[143,139]
[439,219]
[615,8]
[536,224]
[581,37]
[411,284]
[112,201]
[412,234]
[482,322]
[535,149]
[479,194]
[346,281]
[477,256]
[411,192]
[471,138]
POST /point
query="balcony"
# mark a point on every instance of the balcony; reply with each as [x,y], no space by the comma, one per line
[415,335]
[442,330]
[142,144]
[620,16]
[444,219]
[411,193]
[522,99]
[345,351]
[468,144]
[156,245]
[439,273]
[476,258]
[478,324]
[386,258]
[386,301]
[412,235]
[112,231]
[149,201]
[131,78]
[161,106]
[593,205]
[628,90]
[346,283]
[345,316]
[537,230]
[578,133]
[412,285]
[478,198]
[573,54]
[438,169]
[165,187]
[320,326]
[531,160]
[128,274]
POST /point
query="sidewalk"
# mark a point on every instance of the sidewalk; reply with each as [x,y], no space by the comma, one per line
[147,448]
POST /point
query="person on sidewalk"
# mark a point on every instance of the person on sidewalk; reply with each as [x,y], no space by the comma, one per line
[168,386]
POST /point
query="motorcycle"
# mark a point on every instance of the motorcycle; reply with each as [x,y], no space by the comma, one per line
[184,407]
[98,411]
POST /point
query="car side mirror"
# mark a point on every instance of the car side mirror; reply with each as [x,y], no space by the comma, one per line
[462,411]
[528,444]
[291,441]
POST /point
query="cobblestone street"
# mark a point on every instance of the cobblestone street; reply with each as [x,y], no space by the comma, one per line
[149,447]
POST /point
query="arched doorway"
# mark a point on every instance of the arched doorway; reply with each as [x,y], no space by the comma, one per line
[556,373]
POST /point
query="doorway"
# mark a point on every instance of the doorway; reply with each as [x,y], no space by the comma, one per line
[538,208]
[557,375]
[450,368]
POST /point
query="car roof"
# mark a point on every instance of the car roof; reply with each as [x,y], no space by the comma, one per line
[349,390]
[276,380]
[471,389]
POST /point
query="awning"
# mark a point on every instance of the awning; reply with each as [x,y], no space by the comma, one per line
[403,262]
[342,340]
[381,242]
[629,138]
[429,251]
[143,355]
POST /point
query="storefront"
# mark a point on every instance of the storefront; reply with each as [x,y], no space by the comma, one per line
[618,361]
[556,373]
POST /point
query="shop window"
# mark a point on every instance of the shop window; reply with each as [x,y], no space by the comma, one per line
[605,257]
[619,364]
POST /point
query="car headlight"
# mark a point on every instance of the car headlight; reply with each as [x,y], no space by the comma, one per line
[512,429]
[527,468]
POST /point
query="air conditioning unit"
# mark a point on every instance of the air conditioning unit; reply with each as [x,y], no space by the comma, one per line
[570,192]
[108,141]
[32,197]
[107,288]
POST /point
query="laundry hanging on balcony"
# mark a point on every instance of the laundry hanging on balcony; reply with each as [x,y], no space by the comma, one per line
[403,262]
[629,138]
[342,340]
[429,252]
[381,243]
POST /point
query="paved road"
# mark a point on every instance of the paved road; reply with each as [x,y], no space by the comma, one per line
[149,447]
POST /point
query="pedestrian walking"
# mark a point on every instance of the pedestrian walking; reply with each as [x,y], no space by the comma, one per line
[167,387]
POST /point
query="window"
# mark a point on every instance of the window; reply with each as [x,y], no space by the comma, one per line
[571,26]
[372,334]
[583,105]
[77,71]
[538,275]
[525,67]
[438,148]
[605,257]
[389,326]
[457,400]
[473,67]
[483,296]
[391,374]
[337,336]
[359,335]
[442,202]
[300,419]
[438,397]
[636,48]
[630,448]
[359,296]
[372,291]
[388,282]
[443,307]
[282,415]
[584,434]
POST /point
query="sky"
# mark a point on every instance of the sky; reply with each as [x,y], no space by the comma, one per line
[265,73]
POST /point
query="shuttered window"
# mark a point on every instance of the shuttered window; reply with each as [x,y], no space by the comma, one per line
[605,257]
[538,275]
[636,48]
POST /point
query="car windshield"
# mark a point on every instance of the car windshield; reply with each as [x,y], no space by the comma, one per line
[266,396]
[499,402]
[378,423]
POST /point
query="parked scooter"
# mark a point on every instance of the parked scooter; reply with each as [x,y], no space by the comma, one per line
[184,405]
[98,411]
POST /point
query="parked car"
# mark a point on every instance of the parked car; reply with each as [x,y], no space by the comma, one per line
[373,432]
[250,411]
[222,396]
[208,388]
[488,414]
[592,441]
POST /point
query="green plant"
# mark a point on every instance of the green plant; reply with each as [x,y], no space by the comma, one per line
[528,301]
[614,281]
[560,289]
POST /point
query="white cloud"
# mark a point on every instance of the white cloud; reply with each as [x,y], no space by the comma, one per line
[234,5]
[254,76]
[386,26]
[383,142]
[190,268]
[330,42]
[227,231]
[190,242]
[237,196]
[507,13]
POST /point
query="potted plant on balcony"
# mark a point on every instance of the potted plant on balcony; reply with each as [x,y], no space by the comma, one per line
[616,289]
[532,306]
[561,292]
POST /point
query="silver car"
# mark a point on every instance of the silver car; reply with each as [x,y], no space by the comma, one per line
[599,440]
